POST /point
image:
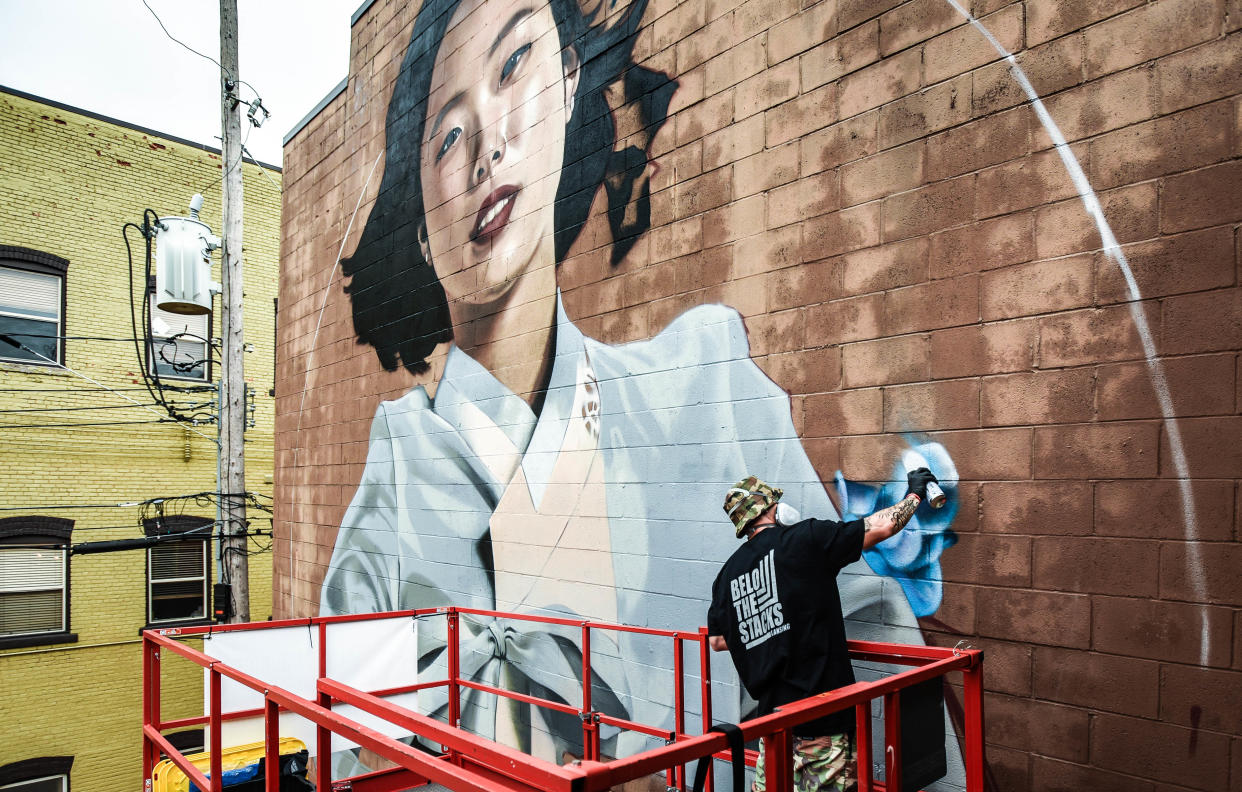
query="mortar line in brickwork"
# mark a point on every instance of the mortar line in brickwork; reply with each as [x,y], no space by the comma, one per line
[1194,557]
[70,648]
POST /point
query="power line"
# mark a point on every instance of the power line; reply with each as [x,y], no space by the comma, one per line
[74,409]
[129,527]
[12,341]
[196,52]
[262,169]
[206,527]
[224,172]
[144,542]
[206,494]
[88,423]
[178,388]
[70,338]
[72,506]
[190,408]
[179,41]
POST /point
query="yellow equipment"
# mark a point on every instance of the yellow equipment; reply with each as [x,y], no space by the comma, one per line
[167,777]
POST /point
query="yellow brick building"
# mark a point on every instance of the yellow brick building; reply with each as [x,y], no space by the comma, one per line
[79,459]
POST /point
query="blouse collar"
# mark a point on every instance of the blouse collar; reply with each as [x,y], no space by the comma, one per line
[537,437]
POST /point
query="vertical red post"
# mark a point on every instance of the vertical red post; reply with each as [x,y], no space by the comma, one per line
[862,742]
[213,727]
[454,669]
[973,678]
[677,775]
[778,761]
[323,737]
[705,696]
[892,741]
[150,704]
[590,732]
[156,688]
[271,744]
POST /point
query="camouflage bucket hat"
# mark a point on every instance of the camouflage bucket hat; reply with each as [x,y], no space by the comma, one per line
[749,498]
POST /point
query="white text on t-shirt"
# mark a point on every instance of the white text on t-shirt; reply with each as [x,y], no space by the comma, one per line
[759,615]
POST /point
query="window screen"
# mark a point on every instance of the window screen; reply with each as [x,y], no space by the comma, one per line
[177,581]
[178,344]
[30,313]
[32,590]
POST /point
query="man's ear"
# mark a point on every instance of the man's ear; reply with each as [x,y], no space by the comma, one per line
[424,244]
[571,64]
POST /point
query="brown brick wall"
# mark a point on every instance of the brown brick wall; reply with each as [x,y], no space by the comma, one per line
[866,183]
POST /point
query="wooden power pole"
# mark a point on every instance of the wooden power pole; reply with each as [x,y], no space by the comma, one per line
[232,464]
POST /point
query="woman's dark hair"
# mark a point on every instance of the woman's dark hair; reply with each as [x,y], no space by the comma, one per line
[399,305]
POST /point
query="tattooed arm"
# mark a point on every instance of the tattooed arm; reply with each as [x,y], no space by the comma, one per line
[887,522]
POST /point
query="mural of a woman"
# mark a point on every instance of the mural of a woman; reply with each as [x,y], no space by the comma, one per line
[552,473]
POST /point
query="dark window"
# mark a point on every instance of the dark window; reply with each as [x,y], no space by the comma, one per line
[190,741]
[32,305]
[34,578]
[44,774]
[178,580]
[178,569]
[56,783]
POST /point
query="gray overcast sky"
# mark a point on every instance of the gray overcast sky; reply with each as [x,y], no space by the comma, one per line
[110,57]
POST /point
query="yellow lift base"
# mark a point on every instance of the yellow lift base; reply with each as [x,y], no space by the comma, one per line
[167,777]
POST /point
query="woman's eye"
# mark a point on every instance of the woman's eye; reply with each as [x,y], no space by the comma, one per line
[449,140]
[511,65]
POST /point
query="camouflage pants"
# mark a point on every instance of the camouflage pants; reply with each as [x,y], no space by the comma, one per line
[820,764]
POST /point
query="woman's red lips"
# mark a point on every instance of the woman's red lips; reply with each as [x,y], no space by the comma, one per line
[494,213]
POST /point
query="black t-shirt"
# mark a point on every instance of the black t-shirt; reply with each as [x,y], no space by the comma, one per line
[775,602]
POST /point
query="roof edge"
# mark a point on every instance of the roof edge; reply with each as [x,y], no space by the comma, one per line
[335,92]
[362,9]
[324,102]
[118,122]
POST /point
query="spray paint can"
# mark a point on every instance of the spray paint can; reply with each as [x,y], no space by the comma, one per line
[935,495]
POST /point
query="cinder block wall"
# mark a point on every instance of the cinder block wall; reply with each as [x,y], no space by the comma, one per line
[68,181]
[913,245]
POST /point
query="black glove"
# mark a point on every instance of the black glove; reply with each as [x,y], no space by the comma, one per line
[917,481]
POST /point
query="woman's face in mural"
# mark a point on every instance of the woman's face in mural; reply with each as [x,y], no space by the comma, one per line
[494,141]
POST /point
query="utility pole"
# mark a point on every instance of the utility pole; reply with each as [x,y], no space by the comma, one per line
[232,465]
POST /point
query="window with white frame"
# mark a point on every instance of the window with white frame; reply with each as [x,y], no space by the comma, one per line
[41,774]
[32,301]
[179,344]
[33,590]
[56,783]
[34,580]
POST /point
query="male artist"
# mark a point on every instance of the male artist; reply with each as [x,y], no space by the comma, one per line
[776,608]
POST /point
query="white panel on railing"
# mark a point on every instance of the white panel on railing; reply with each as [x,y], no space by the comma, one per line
[369,655]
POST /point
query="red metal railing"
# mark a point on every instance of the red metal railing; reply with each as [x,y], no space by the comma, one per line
[477,764]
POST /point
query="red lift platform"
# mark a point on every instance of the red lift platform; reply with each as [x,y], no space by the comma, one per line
[469,763]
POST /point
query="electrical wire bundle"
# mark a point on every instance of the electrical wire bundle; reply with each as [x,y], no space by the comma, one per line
[177,505]
[156,388]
